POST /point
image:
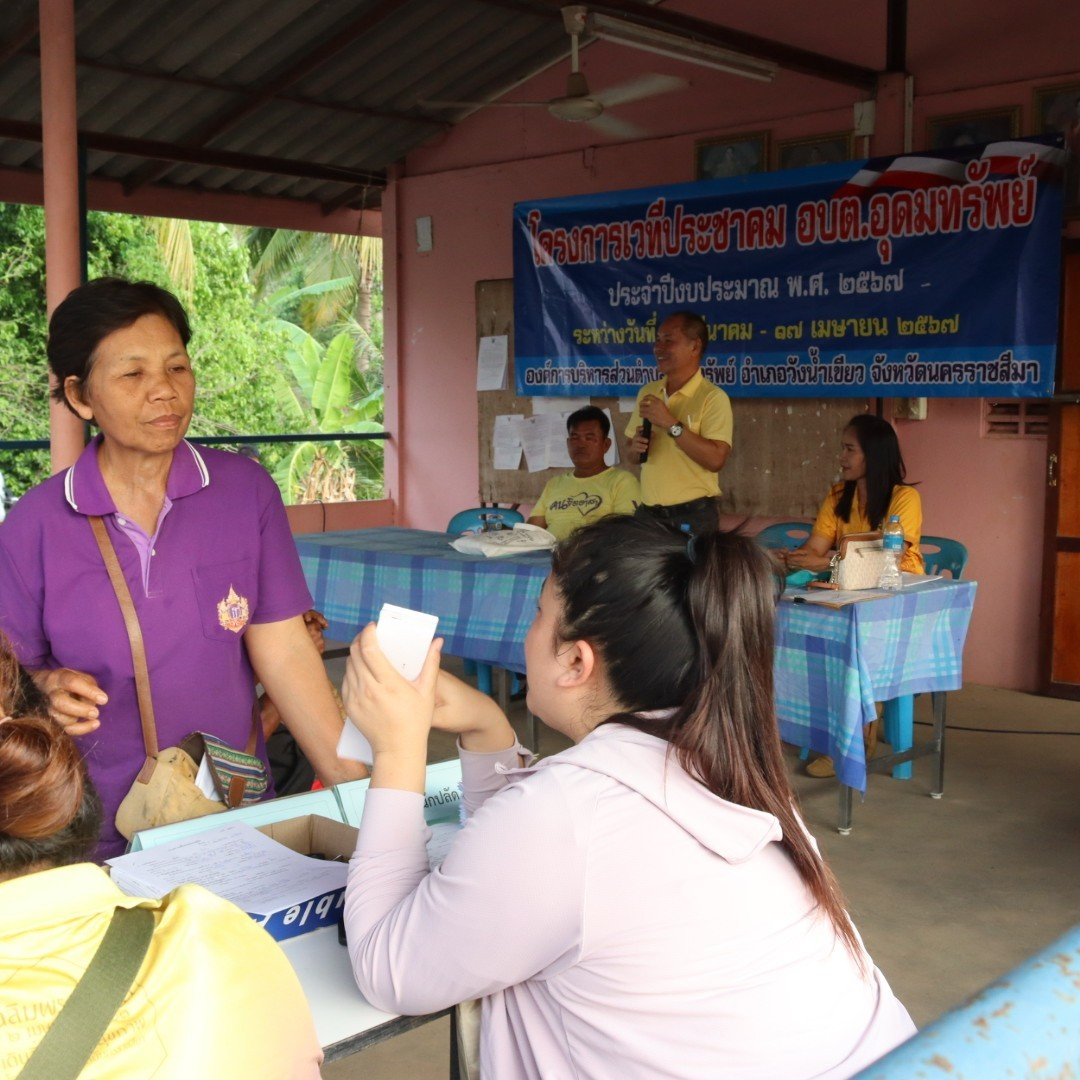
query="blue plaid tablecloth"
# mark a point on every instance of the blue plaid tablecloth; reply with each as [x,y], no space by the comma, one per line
[832,664]
[484,605]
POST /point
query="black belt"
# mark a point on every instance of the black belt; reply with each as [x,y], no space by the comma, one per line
[679,509]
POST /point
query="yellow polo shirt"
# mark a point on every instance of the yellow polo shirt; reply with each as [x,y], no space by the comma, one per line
[670,476]
[215,995]
[568,502]
[905,503]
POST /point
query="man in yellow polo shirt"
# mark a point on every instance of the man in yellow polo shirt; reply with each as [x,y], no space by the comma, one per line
[592,490]
[689,437]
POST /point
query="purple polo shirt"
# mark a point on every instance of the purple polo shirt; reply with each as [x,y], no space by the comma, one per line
[223,557]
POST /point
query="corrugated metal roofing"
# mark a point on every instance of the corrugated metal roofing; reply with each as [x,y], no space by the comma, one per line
[327,90]
[299,99]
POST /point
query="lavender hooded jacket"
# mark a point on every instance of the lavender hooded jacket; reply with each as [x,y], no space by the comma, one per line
[617,919]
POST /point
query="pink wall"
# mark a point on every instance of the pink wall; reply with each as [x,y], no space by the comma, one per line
[986,493]
[989,493]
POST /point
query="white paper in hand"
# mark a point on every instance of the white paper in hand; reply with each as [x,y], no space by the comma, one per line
[404,637]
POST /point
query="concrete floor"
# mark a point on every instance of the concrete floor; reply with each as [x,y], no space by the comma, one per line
[948,894]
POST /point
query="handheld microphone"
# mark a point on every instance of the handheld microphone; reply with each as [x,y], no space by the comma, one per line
[646,432]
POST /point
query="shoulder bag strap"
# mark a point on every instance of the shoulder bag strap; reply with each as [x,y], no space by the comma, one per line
[256,723]
[135,639]
[238,785]
[80,1025]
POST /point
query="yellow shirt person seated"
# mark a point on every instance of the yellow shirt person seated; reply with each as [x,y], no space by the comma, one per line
[213,995]
[870,491]
[592,490]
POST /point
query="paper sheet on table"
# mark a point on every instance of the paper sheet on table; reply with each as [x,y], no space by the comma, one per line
[522,538]
[491,363]
[506,441]
[236,862]
[918,579]
[835,598]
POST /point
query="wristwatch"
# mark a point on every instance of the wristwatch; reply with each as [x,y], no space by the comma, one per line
[675,430]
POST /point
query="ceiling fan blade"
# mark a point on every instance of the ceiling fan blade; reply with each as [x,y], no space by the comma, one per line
[616,128]
[644,86]
[480,104]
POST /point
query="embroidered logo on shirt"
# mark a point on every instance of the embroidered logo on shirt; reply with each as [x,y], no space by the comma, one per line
[584,503]
[232,612]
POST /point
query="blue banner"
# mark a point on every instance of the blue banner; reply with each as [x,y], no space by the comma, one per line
[928,275]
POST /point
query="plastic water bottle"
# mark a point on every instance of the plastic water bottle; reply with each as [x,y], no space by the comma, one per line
[893,543]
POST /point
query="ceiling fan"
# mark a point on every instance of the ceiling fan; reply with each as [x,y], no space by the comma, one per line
[579,104]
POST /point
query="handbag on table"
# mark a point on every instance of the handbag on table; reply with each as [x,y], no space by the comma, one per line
[858,561]
[165,790]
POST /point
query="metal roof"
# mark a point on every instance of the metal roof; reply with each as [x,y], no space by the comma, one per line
[298,99]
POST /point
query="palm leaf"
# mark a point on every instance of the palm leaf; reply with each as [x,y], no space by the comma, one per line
[177,253]
[332,386]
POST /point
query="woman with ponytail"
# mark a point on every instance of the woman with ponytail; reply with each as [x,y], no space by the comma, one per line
[647,903]
[213,996]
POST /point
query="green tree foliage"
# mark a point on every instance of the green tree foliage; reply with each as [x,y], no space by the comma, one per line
[326,291]
[24,410]
[345,395]
[244,361]
[287,259]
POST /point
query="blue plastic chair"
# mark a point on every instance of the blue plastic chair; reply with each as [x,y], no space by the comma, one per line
[463,521]
[943,556]
[784,534]
[1027,1023]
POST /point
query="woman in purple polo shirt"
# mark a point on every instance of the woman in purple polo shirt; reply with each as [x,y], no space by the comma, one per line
[203,542]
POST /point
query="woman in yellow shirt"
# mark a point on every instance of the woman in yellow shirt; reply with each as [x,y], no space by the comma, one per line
[214,995]
[870,491]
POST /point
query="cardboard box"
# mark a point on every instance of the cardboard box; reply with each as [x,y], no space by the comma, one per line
[309,835]
[324,802]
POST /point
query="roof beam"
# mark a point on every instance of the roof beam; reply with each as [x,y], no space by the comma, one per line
[896,36]
[24,34]
[788,57]
[261,211]
[342,38]
[201,155]
[134,72]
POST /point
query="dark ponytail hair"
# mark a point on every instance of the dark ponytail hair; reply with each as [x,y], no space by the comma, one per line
[687,625]
[50,814]
[884,468]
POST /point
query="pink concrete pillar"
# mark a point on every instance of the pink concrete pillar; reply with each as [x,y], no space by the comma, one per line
[395,465]
[60,152]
